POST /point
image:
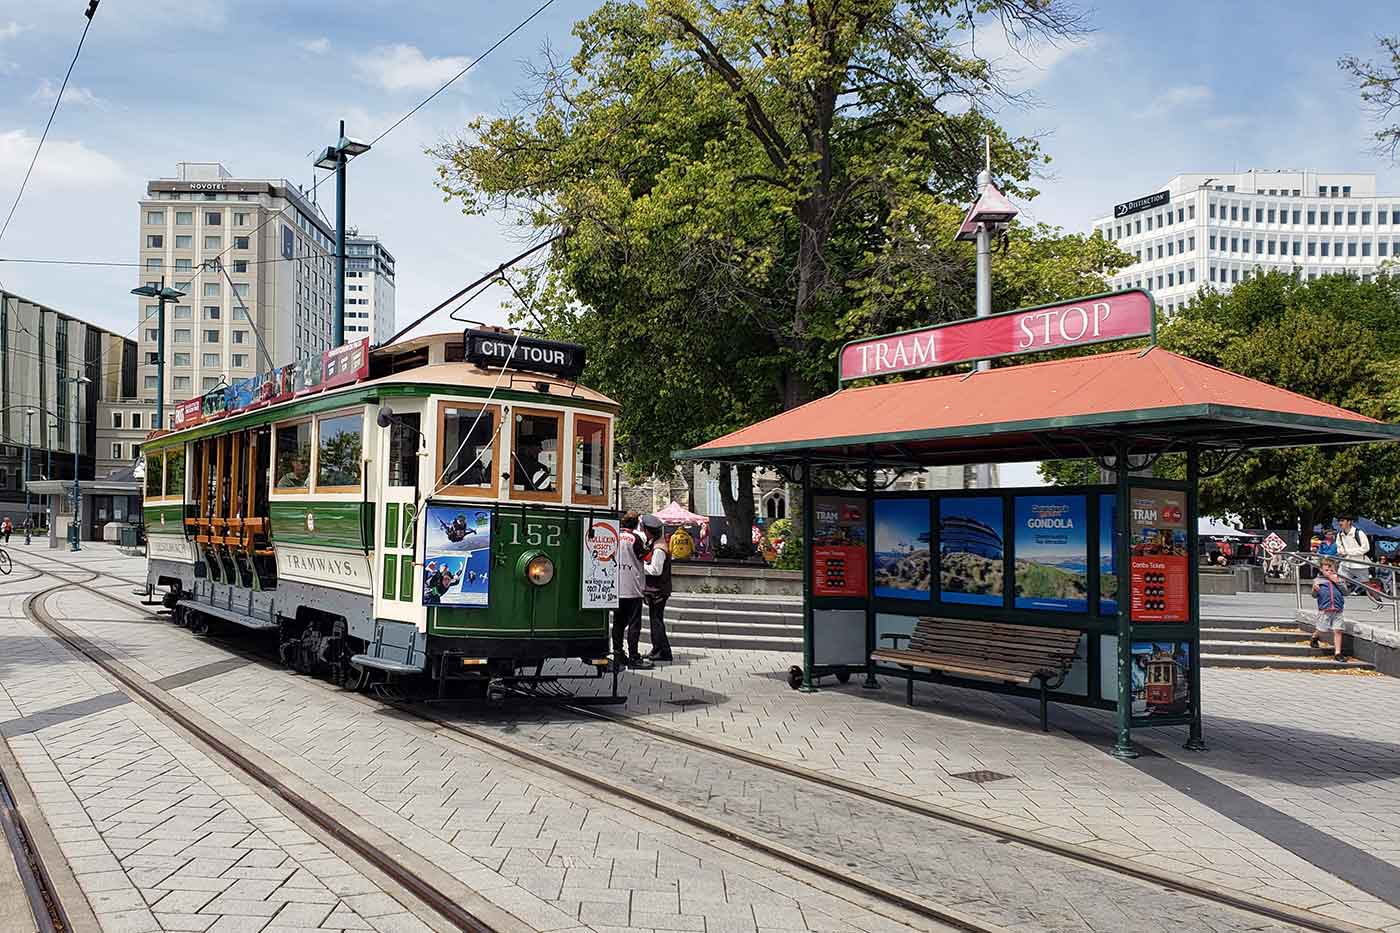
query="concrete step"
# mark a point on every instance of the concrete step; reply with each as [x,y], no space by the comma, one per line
[681,639]
[1211,633]
[1279,662]
[706,627]
[1288,649]
[733,615]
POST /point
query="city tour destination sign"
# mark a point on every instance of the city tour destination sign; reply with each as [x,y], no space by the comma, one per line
[1083,321]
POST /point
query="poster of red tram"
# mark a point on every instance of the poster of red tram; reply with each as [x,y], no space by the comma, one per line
[839,547]
[1157,577]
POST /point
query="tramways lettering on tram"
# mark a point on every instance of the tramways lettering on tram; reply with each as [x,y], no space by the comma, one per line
[331,565]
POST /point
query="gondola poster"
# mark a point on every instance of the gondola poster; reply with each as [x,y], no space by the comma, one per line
[600,568]
[457,556]
[1158,588]
[839,547]
[1052,553]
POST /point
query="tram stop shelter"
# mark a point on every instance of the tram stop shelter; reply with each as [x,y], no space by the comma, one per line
[1114,562]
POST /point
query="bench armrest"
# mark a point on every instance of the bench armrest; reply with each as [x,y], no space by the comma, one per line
[895,636]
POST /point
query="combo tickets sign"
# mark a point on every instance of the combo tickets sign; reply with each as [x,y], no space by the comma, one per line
[1116,316]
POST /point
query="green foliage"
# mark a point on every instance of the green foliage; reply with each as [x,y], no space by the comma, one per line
[786,545]
[1336,339]
[745,186]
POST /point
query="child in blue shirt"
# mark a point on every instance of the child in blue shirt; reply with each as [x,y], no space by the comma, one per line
[1331,600]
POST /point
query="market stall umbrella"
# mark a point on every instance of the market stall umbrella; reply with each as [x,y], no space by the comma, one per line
[677,514]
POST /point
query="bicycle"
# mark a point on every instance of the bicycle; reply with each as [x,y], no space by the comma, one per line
[6,565]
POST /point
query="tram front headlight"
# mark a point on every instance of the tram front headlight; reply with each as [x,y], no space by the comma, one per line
[539,570]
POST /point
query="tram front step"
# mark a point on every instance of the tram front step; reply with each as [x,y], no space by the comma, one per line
[1276,662]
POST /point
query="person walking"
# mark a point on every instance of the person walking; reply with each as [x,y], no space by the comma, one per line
[1354,548]
[1331,599]
[657,588]
[627,617]
[28,527]
[7,528]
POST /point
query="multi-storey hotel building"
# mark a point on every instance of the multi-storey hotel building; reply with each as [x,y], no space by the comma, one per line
[254,259]
[369,289]
[1220,229]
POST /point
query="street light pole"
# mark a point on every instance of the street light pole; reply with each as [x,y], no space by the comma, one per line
[29,414]
[335,158]
[75,527]
[163,295]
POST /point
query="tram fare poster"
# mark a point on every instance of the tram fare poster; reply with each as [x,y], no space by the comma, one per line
[839,548]
[1052,553]
[601,538]
[457,556]
[1158,584]
[1161,678]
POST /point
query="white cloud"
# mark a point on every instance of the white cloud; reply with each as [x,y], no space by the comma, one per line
[63,164]
[1021,65]
[72,95]
[10,30]
[402,67]
[1183,95]
[316,46]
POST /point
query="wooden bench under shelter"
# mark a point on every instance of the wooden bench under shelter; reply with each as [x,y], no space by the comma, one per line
[1018,655]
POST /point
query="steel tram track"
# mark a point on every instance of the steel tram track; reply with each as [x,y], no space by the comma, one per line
[444,904]
[1180,883]
[44,903]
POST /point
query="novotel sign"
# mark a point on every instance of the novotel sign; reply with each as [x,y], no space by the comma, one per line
[1084,321]
[488,348]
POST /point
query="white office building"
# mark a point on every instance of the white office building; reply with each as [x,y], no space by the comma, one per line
[369,289]
[1219,229]
[254,259]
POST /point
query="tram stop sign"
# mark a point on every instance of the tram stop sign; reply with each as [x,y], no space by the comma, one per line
[1274,544]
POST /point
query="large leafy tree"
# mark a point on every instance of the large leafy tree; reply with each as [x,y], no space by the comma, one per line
[1337,339]
[745,184]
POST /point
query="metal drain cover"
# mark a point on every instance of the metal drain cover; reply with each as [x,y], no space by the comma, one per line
[981,777]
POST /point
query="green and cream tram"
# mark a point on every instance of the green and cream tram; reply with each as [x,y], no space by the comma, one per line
[437,509]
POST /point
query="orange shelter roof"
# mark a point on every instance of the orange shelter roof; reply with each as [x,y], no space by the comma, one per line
[1063,408]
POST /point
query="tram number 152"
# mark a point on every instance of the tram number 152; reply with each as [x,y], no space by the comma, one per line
[536,534]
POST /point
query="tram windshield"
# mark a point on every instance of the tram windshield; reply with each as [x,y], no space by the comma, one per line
[467,447]
[535,458]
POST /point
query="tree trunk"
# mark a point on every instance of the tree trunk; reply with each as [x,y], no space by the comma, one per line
[738,509]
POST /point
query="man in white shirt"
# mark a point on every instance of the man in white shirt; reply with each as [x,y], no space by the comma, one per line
[1354,548]
[627,617]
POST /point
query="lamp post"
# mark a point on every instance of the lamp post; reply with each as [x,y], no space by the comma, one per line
[991,213]
[75,526]
[334,158]
[29,414]
[162,295]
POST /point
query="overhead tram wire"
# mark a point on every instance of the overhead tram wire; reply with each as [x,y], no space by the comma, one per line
[88,14]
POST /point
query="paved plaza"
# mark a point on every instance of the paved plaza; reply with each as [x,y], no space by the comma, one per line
[1296,801]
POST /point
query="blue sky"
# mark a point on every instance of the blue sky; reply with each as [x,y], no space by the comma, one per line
[1156,89]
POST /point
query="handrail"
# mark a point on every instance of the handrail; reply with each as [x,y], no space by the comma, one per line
[1380,596]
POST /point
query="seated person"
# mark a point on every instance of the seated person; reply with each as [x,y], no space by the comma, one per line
[530,473]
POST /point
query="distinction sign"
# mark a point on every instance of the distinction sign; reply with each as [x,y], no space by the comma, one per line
[1101,318]
[1141,204]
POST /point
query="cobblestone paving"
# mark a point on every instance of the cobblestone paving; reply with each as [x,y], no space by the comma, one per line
[1320,748]
[158,836]
[557,858]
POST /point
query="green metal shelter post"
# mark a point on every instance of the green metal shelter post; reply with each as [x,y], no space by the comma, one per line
[808,522]
[1194,742]
[1123,748]
[870,630]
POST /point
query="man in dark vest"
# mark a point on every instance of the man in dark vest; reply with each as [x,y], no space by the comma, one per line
[657,588]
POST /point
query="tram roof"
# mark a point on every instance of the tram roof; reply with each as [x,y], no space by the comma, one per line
[458,378]
[1078,407]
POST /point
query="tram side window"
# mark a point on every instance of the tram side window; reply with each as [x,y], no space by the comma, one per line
[535,459]
[466,447]
[175,473]
[293,456]
[590,459]
[155,470]
[338,454]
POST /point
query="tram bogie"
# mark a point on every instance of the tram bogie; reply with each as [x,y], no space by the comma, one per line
[407,514]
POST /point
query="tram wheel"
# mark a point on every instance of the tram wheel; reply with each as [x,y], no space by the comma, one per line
[169,598]
[794,677]
[199,623]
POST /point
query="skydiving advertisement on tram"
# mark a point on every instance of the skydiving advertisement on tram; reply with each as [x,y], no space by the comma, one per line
[457,556]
